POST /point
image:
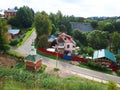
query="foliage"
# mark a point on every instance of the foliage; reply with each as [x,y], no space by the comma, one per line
[14,42]
[4,39]
[118,72]
[56,69]
[94,24]
[108,27]
[115,41]
[98,39]
[78,35]
[118,58]
[43,28]
[112,85]
[42,41]
[24,18]
[27,35]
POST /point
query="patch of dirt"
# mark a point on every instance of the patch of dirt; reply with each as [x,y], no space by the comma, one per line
[7,61]
[62,72]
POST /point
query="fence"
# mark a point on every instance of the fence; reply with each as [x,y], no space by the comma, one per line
[73,58]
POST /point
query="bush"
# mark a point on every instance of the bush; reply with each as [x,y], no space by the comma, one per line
[112,85]
[118,72]
[96,66]
[14,42]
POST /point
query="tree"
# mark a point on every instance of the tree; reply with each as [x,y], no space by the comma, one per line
[4,39]
[98,39]
[115,41]
[43,25]
[94,24]
[78,35]
[108,27]
[42,41]
[24,18]
[62,28]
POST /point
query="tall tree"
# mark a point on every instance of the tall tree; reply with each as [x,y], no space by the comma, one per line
[115,41]
[78,35]
[4,39]
[43,25]
[98,39]
[24,18]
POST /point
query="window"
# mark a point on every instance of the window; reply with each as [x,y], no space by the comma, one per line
[68,46]
[73,46]
[64,38]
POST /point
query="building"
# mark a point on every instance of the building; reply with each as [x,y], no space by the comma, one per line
[65,44]
[10,13]
[13,33]
[104,57]
[33,61]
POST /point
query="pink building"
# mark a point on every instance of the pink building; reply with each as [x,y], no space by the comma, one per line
[65,44]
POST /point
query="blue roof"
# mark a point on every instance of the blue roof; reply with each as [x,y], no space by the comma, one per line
[104,53]
[53,36]
[14,31]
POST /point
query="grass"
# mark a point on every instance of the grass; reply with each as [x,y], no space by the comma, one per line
[48,55]
[56,69]
[18,78]
[27,35]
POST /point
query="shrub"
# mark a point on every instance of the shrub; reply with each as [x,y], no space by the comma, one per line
[14,42]
[56,69]
[112,85]
[118,72]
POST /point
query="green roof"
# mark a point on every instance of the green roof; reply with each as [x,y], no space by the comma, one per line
[31,58]
[104,53]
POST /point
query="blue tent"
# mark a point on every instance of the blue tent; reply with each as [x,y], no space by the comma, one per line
[104,53]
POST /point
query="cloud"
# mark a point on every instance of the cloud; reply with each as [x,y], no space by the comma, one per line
[83,8]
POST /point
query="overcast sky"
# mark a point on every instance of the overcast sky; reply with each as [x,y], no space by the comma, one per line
[82,8]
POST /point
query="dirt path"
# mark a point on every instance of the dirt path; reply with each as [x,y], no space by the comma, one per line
[7,61]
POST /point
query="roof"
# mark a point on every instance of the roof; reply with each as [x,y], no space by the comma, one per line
[67,36]
[14,31]
[104,53]
[11,10]
[33,58]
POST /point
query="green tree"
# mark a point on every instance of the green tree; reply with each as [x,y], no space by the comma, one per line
[98,39]
[4,39]
[24,18]
[62,28]
[108,27]
[43,25]
[43,41]
[78,35]
[115,41]
[94,24]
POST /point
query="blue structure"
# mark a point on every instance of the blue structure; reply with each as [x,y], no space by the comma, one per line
[67,57]
[104,54]
[118,51]
[51,38]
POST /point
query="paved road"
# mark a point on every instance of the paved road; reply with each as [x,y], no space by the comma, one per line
[83,71]
[25,49]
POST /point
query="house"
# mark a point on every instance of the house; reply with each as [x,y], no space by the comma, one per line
[104,57]
[14,32]
[10,13]
[65,44]
[33,61]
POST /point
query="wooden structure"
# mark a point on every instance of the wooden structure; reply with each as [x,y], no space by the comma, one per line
[104,57]
[32,61]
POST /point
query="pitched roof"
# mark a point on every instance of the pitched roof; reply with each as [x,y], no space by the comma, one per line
[11,10]
[32,58]
[104,53]
[14,31]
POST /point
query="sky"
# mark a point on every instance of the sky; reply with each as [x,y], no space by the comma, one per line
[80,8]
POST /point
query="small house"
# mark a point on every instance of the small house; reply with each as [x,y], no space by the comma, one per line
[33,61]
[104,57]
[14,32]
[10,13]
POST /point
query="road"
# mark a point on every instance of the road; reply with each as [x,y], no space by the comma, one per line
[90,74]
